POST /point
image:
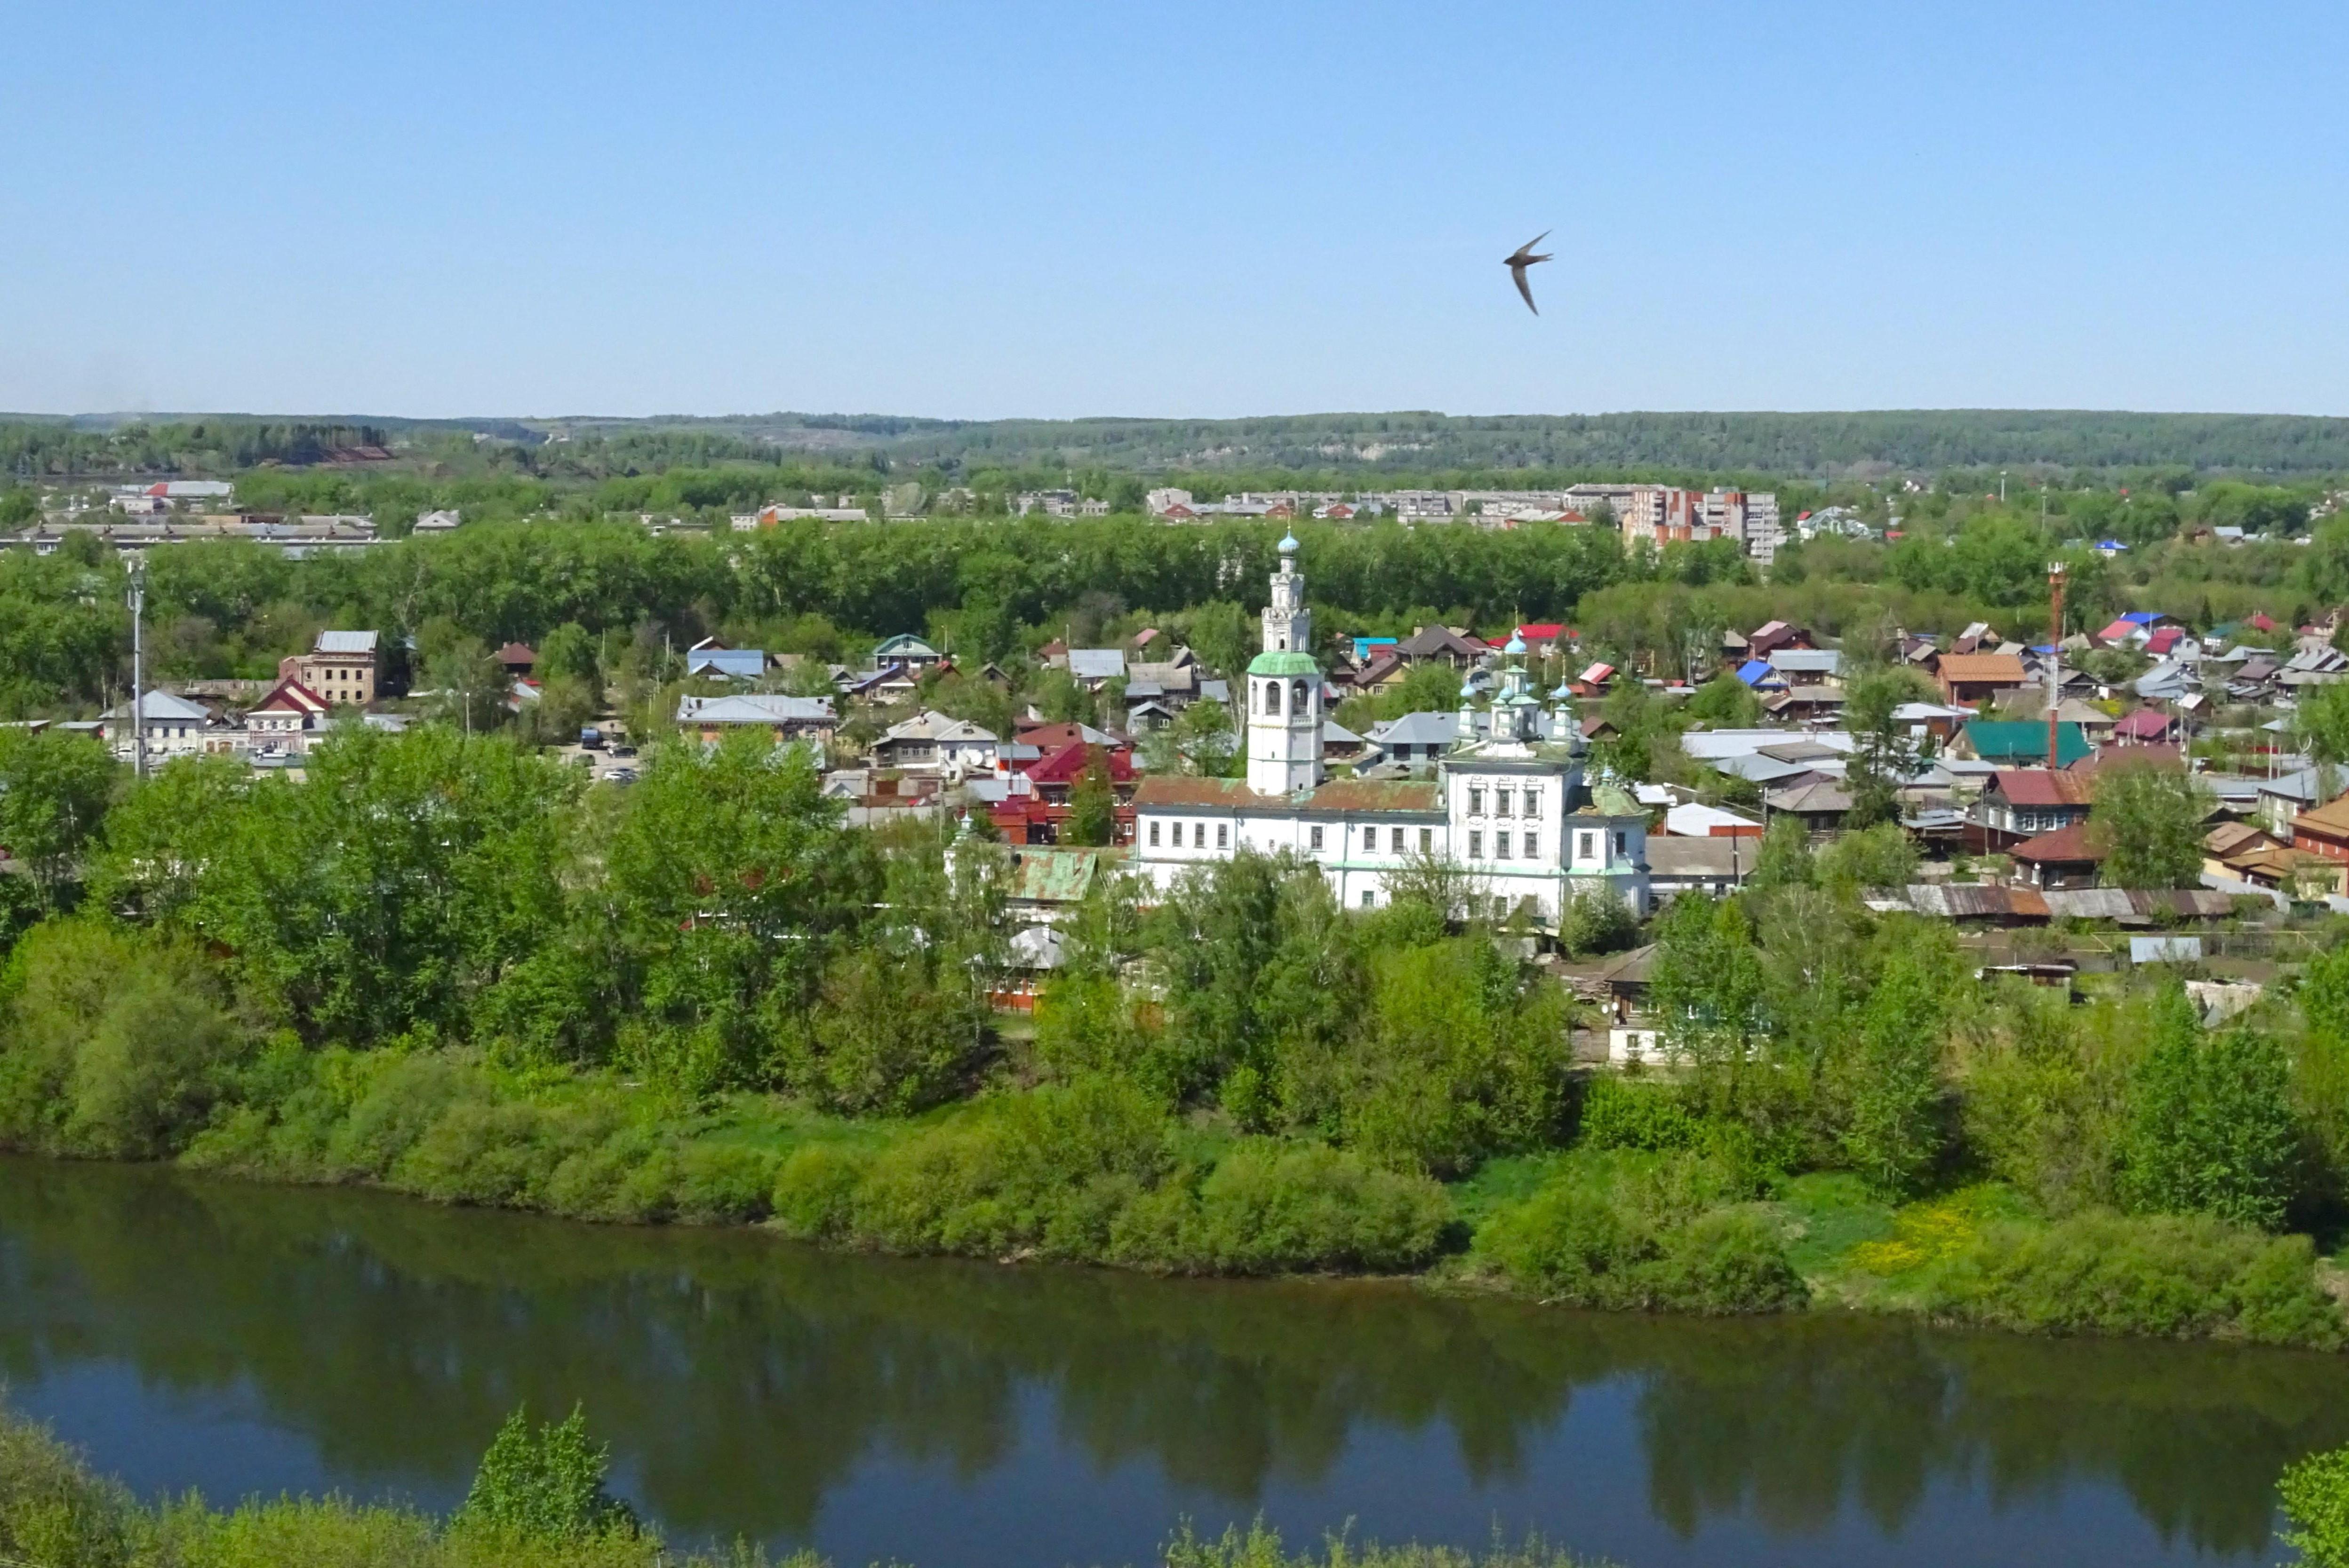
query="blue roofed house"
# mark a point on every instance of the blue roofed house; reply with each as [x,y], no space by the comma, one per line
[1754,672]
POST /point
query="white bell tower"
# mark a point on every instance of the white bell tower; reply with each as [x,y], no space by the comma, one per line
[1284,690]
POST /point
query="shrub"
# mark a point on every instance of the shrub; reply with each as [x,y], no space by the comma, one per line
[718,1183]
[2315,1496]
[1640,1232]
[814,1197]
[2211,1129]
[1617,1114]
[2164,1275]
[544,1486]
[1268,1206]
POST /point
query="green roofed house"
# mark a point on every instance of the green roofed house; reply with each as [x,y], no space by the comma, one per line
[2021,742]
[907,649]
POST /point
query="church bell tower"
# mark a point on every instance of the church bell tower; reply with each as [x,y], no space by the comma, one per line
[1284,690]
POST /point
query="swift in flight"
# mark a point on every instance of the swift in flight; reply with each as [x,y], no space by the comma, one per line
[1519,263]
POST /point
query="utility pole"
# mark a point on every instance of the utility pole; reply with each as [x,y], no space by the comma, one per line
[137,666]
[2055,657]
[2001,486]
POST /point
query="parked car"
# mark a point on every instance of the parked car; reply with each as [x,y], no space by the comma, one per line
[620,776]
[591,740]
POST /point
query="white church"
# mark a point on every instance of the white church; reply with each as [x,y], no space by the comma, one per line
[1511,809]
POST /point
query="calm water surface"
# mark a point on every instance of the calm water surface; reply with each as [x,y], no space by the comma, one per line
[248,1339]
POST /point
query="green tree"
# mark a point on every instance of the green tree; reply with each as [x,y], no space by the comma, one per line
[468,683]
[1884,755]
[731,887]
[1725,701]
[544,1486]
[1881,856]
[1092,803]
[1784,858]
[1890,1076]
[53,790]
[2322,725]
[2148,818]
[2210,1123]
[570,653]
[1708,986]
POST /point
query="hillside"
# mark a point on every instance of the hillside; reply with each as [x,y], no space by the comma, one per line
[1394,447]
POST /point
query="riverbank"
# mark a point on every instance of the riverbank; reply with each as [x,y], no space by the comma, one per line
[55,1511]
[1098,1172]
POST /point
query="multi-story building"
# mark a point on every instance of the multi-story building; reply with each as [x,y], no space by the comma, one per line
[1510,811]
[341,668]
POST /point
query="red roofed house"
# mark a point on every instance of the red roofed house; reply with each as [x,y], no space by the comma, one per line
[518,658]
[1772,635]
[2146,727]
[2023,802]
[2163,639]
[286,721]
[1542,637]
[2120,630]
[1038,815]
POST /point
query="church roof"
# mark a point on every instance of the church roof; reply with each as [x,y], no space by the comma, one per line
[1283,665]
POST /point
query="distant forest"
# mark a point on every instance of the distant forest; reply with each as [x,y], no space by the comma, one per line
[1324,449]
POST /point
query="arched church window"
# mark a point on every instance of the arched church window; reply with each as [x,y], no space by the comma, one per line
[1297,698]
[1272,696]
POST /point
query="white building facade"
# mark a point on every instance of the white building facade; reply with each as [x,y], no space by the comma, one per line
[1508,814]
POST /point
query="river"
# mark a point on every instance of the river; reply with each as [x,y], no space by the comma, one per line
[243,1339]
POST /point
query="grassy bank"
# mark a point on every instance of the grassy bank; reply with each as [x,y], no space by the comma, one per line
[538,1503]
[1655,1215]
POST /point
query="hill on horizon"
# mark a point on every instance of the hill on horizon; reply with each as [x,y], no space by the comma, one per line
[1819,445]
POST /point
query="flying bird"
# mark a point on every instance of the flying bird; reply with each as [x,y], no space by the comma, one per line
[1519,263]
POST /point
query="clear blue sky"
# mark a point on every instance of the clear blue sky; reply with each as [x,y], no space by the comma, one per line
[1056,209]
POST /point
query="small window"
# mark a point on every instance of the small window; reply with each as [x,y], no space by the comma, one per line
[1533,804]
[1314,838]
[1154,835]
[1475,845]
[1272,696]
[1223,835]
[1622,846]
[1586,846]
[1199,835]
[1475,802]
[1426,841]
[1533,846]
[1370,899]
[1500,802]
[1394,840]
[1500,846]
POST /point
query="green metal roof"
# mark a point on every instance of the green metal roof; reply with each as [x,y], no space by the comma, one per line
[2024,741]
[1283,665]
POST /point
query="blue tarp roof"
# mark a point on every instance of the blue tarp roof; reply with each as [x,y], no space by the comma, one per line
[1753,671]
[2144,617]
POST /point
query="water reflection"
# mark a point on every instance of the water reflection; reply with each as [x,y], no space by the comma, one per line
[746,1384]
